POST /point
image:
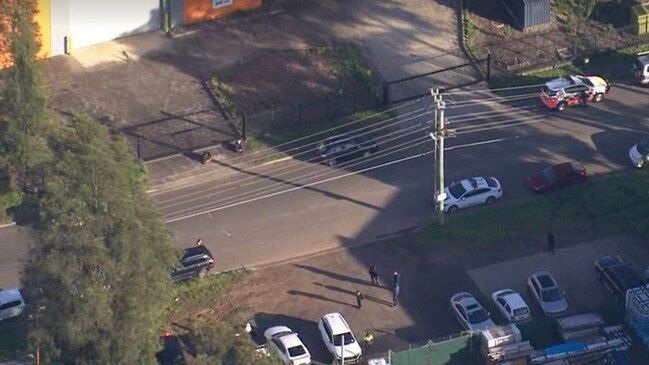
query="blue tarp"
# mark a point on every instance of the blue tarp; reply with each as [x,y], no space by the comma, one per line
[565,348]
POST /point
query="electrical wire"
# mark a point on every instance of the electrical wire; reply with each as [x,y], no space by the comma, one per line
[309,175]
[242,182]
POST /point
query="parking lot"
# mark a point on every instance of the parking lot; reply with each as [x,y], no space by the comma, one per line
[572,268]
[298,293]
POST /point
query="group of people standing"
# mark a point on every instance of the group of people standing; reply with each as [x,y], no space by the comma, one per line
[374,277]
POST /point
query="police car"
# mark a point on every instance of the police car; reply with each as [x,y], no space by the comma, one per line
[470,192]
[573,90]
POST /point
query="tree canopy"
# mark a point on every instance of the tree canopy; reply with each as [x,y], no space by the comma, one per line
[23,108]
[101,256]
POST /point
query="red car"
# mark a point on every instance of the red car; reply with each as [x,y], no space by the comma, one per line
[557,176]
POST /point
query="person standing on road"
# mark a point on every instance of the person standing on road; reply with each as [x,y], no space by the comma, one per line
[551,241]
[359,299]
[374,275]
[396,279]
[395,296]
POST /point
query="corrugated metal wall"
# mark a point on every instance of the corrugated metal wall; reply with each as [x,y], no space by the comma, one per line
[202,10]
[537,12]
[177,10]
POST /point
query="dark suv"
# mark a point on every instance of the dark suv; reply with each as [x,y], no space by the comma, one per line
[341,148]
[196,262]
[618,276]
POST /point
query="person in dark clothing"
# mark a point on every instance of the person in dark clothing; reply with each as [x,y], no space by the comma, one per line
[551,241]
[359,299]
[583,97]
[396,279]
[395,295]
[374,275]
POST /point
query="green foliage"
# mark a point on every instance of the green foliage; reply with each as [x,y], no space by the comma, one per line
[9,200]
[224,94]
[194,294]
[23,113]
[101,256]
[533,78]
[618,203]
[353,64]
[584,8]
[218,343]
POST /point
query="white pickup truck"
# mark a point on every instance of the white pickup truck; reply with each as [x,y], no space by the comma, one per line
[641,68]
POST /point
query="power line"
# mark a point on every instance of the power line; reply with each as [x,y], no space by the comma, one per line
[288,169]
[313,174]
[302,186]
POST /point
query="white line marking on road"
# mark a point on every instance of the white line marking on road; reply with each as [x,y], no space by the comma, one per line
[226,233]
[208,211]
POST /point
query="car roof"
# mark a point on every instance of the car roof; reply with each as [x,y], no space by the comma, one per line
[465,299]
[610,260]
[644,59]
[473,183]
[337,323]
[566,167]
[290,340]
[545,279]
[8,295]
[514,300]
[562,82]
[199,250]
[628,277]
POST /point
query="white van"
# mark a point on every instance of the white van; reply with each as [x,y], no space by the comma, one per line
[338,337]
[12,303]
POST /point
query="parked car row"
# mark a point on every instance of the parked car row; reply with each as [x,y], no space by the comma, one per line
[336,335]
[614,273]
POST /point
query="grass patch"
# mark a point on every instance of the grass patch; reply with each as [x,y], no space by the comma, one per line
[8,201]
[203,293]
[611,204]
[224,94]
[13,337]
[533,78]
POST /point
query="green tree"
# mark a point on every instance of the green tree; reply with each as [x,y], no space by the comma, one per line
[101,256]
[218,343]
[23,110]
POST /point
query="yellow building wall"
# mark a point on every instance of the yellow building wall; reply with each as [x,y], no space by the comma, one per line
[45,30]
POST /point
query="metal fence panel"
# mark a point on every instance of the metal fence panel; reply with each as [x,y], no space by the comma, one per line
[443,353]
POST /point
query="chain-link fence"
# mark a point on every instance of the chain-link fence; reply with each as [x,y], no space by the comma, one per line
[308,113]
[456,349]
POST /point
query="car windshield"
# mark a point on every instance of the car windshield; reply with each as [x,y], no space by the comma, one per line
[643,147]
[549,174]
[551,295]
[457,190]
[478,316]
[586,81]
[547,91]
[521,311]
[349,339]
[296,351]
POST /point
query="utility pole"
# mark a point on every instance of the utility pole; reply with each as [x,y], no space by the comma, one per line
[438,136]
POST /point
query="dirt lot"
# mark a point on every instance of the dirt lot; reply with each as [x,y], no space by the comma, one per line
[298,293]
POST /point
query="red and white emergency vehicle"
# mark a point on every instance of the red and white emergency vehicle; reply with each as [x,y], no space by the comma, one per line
[574,90]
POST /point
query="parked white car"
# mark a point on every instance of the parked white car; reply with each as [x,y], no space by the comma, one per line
[470,192]
[288,345]
[470,313]
[338,337]
[512,306]
[639,154]
[12,303]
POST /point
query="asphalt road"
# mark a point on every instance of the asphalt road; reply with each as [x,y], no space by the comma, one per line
[268,215]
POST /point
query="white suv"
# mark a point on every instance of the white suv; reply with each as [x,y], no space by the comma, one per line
[12,303]
[338,337]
